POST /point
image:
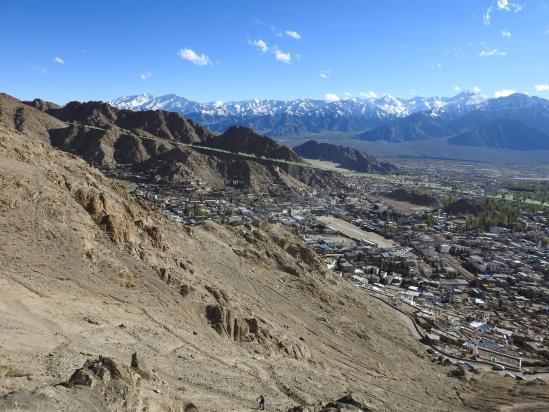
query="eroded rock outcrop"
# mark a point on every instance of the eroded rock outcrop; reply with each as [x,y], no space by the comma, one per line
[264,338]
[350,403]
[100,370]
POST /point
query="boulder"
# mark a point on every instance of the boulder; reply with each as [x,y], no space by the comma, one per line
[94,370]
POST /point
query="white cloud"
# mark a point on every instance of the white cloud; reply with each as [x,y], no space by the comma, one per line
[293,34]
[492,52]
[501,5]
[487,17]
[325,74]
[193,57]
[260,44]
[542,87]
[457,88]
[370,94]
[282,56]
[145,75]
[507,6]
[504,92]
[505,33]
[348,94]
[476,89]
[58,60]
[330,97]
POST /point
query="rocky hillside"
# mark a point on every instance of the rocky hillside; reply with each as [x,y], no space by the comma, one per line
[182,164]
[26,119]
[415,198]
[243,139]
[345,157]
[109,305]
[111,138]
[166,125]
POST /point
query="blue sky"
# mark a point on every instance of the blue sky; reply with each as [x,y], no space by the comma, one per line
[232,50]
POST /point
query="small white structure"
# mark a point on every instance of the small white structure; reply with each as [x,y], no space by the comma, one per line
[479,326]
[409,296]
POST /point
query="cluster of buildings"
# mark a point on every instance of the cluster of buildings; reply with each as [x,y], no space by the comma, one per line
[477,295]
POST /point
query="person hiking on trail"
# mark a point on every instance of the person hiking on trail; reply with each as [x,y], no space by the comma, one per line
[261,401]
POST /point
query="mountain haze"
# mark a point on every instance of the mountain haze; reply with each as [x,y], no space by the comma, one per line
[516,122]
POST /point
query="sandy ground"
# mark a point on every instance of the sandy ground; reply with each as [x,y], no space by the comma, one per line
[355,232]
[326,165]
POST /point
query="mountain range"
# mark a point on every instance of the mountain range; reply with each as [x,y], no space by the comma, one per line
[515,122]
[279,118]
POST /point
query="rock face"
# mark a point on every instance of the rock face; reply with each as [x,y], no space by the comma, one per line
[349,402]
[42,105]
[345,157]
[243,139]
[97,370]
[228,323]
[105,147]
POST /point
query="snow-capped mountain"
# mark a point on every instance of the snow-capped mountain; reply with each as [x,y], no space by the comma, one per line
[301,116]
[146,101]
[516,122]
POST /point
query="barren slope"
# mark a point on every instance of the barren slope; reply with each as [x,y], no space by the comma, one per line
[219,314]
